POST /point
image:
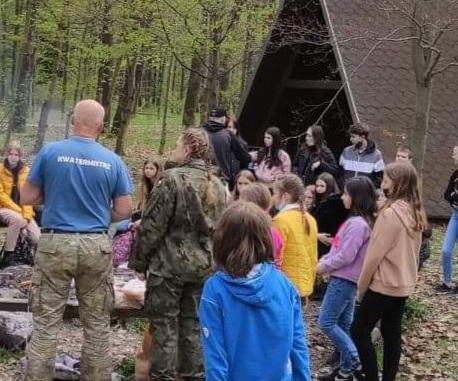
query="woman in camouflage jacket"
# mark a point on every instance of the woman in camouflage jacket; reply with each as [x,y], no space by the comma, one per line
[173,247]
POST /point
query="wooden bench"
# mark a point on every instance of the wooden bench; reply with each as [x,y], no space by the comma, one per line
[71,311]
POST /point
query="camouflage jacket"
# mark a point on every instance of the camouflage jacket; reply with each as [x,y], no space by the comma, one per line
[174,238]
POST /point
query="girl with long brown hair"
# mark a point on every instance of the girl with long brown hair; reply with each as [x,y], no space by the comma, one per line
[250,315]
[271,162]
[314,157]
[389,272]
[299,231]
[242,180]
[151,170]
[174,246]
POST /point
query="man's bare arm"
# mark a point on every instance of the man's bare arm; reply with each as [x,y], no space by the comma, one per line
[30,194]
[122,208]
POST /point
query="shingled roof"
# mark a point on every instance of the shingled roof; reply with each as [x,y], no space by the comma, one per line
[381,92]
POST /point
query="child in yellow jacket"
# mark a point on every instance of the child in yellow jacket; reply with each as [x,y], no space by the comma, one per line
[299,231]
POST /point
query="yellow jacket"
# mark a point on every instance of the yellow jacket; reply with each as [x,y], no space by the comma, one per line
[6,185]
[300,255]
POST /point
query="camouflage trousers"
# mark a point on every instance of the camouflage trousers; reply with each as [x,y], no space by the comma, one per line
[60,258]
[172,307]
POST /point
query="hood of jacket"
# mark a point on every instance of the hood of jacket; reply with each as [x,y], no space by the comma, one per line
[212,126]
[403,210]
[255,289]
[371,147]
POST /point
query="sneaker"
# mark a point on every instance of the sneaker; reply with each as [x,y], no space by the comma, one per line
[343,376]
[330,375]
[358,374]
[444,288]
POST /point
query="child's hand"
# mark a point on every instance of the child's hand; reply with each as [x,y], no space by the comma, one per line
[325,239]
[320,269]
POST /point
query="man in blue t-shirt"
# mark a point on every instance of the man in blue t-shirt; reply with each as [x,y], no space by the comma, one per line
[83,187]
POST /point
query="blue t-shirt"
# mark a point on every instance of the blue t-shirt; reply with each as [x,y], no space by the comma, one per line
[79,178]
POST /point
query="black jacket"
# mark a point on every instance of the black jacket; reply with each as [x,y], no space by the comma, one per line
[226,150]
[451,193]
[329,215]
[302,164]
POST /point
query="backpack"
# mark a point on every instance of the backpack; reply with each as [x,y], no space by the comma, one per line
[122,246]
[23,253]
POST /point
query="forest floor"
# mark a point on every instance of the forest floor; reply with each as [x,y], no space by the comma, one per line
[430,337]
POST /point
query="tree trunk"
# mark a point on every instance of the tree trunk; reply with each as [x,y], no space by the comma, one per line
[3,87]
[420,132]
[105,72]
[224,83]
[421,59]
[111,92]
[44,114]
[65,68]
[15,58]
[79,70]
[192,93]
[166,106]
[21,102]
[213,83]
[126,105]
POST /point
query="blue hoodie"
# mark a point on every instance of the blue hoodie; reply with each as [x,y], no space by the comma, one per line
[253,329]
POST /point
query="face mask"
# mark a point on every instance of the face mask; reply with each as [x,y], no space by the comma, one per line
[358,145]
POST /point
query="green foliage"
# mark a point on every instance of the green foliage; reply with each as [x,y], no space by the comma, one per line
[126,369]
[136,325]
[415,312]
[8,357]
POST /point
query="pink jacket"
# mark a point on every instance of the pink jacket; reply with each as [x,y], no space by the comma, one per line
[277,240]
[269,175]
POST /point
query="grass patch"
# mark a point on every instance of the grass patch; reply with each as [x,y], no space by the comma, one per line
[8,357]
[126,369]
[415,312]
[136,325]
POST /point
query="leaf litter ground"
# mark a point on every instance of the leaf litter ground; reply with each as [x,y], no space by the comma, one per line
[430,337]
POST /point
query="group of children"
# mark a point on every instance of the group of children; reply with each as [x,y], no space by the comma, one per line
[274,242]
[250,315]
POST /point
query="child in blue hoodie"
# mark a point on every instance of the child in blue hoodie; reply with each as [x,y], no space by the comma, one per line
[250,313]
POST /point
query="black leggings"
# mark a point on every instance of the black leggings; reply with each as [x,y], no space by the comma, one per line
[389,310]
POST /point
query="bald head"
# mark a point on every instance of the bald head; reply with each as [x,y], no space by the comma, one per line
[88,118]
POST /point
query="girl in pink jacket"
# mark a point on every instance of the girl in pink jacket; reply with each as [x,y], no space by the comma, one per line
[271,161]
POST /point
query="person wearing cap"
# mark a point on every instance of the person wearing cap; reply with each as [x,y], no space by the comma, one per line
[83,187]
[227,149]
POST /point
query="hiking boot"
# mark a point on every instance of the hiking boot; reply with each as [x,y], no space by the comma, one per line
[328,376]
[444,288]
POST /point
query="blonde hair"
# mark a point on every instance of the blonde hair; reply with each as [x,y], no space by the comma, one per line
[292,185]
[198,144]
[14,145]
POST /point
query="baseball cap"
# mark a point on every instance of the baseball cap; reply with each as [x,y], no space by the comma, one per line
[218,112]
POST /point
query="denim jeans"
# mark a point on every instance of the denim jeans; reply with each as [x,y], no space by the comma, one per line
[336,317]
[451,237]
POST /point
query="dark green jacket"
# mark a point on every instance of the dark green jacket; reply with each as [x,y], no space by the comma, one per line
[174,238]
